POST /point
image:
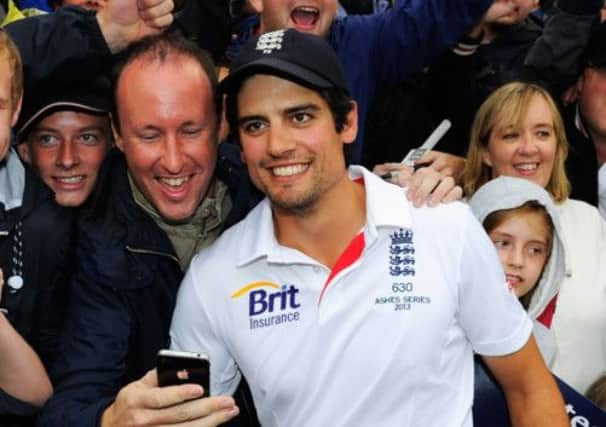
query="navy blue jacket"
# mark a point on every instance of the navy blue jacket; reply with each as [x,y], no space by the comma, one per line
[582,161]
[67,45]
[123,293]
[36,310]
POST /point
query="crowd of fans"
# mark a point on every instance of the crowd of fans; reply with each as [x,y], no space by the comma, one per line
[121,160]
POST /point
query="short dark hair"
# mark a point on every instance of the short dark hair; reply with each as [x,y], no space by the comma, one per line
[159,48]
[339,102]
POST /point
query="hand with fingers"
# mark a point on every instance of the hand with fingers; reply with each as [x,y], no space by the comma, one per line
[125,21]
[425,185]
[446,164]
[143,403]
[499,10]
[396,173]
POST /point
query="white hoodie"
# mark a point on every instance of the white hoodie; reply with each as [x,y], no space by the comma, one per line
[508,193]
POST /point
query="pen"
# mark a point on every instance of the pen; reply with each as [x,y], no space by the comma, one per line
[416,153]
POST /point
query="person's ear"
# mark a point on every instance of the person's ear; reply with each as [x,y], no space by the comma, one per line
[350,127]
[24,152]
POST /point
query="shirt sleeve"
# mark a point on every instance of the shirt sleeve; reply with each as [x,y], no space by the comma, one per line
[194,328]
[493,319]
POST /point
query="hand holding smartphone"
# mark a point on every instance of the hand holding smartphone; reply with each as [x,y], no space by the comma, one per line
[182,367]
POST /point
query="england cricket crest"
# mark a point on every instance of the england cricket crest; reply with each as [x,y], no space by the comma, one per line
[402,253]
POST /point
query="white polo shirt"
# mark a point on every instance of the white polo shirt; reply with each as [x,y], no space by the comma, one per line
[385,339]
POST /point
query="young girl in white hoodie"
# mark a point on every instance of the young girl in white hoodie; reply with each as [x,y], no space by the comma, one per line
[521,220]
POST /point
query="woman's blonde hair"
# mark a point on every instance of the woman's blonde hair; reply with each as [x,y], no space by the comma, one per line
[507,106]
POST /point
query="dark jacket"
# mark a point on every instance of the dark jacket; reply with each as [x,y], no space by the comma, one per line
[67,46]
[36,311]
[123,294]
[582,161]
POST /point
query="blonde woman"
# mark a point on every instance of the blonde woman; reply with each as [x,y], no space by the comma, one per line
[518,132]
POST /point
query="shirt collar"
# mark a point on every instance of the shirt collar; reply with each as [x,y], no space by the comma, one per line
[200,230]
[386,206]
[12,181]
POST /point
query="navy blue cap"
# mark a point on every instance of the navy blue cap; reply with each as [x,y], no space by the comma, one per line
[93,97]
[304,58]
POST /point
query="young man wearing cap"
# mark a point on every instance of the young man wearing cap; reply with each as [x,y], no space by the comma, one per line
[64,135]
[341,303]
[35,241]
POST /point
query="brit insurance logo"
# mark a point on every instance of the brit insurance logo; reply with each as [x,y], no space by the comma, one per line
[270,304]
[402,253]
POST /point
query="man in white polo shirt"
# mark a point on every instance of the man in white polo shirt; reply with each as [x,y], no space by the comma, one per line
[341,303]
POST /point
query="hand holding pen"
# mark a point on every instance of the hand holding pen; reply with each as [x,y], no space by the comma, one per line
[414,155]
[428,175]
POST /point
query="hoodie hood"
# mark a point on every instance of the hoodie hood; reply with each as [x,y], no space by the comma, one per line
[508,193]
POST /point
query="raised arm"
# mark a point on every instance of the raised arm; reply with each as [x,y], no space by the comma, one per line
[407,37]
[72,43]
[124,21]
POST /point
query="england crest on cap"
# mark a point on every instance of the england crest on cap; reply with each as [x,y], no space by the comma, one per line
[270,41]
